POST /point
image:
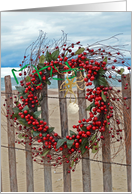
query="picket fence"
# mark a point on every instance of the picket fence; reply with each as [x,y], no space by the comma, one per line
[86,171]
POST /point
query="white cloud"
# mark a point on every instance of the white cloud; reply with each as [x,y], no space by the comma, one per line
[20,29]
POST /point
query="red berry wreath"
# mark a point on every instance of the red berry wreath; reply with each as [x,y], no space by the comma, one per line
[98,65]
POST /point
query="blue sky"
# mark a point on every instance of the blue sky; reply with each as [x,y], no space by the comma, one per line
[20,29]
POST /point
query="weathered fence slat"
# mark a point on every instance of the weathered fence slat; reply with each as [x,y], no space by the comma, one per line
[11,136]
[86,174]
[44,114]
[29,169]
[127,125]
[106,157]
[1,181]
[64,132]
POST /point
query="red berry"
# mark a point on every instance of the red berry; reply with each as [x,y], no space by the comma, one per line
[25,111]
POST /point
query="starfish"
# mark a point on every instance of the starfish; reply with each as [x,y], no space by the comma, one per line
[68,86]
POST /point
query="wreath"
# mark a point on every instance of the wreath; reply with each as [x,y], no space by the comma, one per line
[96,67]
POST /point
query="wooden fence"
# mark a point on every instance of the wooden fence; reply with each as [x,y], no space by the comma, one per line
[86,170]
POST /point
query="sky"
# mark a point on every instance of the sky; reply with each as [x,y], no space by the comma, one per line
[20,29]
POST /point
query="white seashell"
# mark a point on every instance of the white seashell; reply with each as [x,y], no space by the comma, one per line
[73,108]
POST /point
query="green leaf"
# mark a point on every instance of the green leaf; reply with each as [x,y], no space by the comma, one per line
[36,133]
[84,128]
[20,136]
[93,137]
[20,89]
[36,114]
[60,142]
[23,121]
[48,57]
[17,103]
[101,72]
[107,126]
[28,79]
[70,143]
[55,55]
[66,54]
[83,144]
[93,149]
[90,106]
[40,65]
[16,110]
[42,59]
[48,82]
[45,153]
[100,81]
[79,51]
[103,96]
[26,108]
[121,71]
[14,115]
[72,163]
[25,96]
[72,133]
[44,134]
[67,156]
[105,59]
[51,129]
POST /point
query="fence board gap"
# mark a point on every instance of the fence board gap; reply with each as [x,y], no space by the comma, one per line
[45,115]
[64,132]
[11,136]
[86,172]
[127,125]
